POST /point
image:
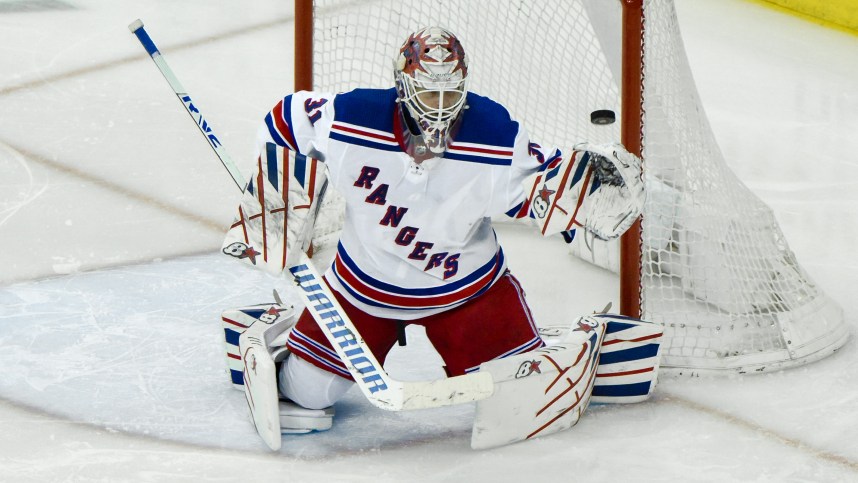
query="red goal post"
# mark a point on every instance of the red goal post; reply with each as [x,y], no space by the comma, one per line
[631,135]
[708,259]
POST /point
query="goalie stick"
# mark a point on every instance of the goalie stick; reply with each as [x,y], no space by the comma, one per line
[379,388]
[136,27]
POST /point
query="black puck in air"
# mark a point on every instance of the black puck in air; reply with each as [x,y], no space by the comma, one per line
[603,116]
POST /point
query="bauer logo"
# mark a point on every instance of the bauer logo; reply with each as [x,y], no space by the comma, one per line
[527,368]
[338,329]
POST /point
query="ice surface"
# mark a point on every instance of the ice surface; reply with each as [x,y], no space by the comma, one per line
[112,210]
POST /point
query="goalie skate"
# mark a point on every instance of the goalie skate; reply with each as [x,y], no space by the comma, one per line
[297,420]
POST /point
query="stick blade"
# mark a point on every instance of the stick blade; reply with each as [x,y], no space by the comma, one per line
[445,392]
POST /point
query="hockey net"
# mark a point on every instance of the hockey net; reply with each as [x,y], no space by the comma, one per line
[715,267]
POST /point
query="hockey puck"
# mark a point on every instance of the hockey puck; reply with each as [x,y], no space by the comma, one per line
[603,116]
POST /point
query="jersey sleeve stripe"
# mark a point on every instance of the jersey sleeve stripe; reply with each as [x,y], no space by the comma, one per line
[283,120]
[272,131]
[278,122]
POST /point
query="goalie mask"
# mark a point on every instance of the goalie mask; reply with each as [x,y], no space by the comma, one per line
[431,72]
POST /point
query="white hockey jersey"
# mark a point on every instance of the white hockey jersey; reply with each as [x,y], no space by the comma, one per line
[417,239]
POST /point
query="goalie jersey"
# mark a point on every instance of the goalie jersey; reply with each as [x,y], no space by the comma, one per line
[417,238]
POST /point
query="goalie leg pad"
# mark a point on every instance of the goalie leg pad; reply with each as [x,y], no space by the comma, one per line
[628,367]
[539,392]
[260,385]
[236,321]
[631,351]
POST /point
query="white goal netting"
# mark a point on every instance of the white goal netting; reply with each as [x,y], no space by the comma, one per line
[717,271]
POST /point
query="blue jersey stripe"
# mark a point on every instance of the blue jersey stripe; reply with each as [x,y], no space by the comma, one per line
[375,303]
[363,142]
[287,116]
[493,264]
[272,131]
[478,159]
[366,300]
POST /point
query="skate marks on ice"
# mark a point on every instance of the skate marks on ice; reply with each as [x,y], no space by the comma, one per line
[53,78]
[20,187]
[139,349]
[17,6]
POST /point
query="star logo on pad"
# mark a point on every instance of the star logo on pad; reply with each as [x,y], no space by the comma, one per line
[586,325]
[274,311]
[250,253]
[527,368]
[544,193]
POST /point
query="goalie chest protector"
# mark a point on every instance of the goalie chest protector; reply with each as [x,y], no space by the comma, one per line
[417,238]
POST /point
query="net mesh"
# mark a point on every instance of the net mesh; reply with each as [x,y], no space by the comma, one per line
[716,268]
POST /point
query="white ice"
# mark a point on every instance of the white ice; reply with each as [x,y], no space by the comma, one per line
[112,210]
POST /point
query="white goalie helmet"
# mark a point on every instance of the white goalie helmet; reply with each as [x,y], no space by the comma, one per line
[431,74]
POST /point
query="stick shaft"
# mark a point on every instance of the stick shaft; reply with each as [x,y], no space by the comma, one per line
[137,29]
